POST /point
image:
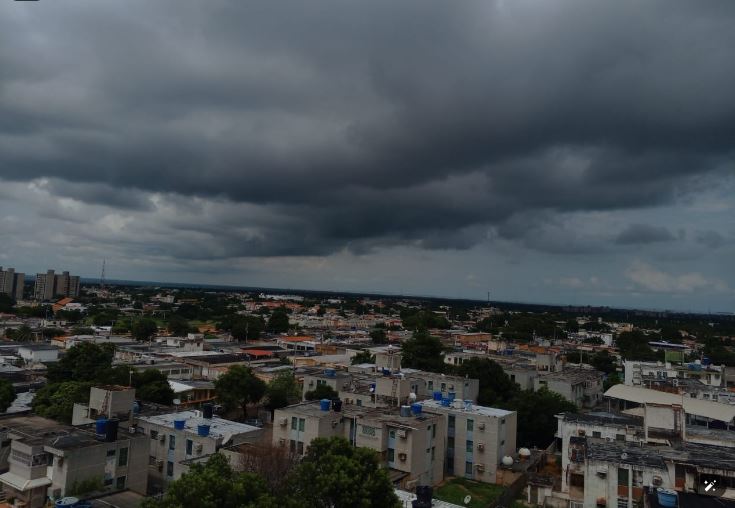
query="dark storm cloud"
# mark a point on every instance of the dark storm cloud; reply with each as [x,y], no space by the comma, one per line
[636,234]
[355,124]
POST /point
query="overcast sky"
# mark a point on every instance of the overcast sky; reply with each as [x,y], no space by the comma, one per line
[564,151]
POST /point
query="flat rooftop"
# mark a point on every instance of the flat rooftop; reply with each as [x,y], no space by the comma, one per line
[218,427]
[474,409]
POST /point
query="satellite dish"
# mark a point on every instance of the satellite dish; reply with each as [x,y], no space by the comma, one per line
[623,455]
[177,402]
[467,499]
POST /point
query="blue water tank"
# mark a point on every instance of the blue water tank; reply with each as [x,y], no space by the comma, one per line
[667,498]
[324,404]
[179,424]
[416,408]
[446,402]
[136,407]
[451,396]
[706,360]
[203,430]
[386,372]
[437,395]
[100,426]
[330,373]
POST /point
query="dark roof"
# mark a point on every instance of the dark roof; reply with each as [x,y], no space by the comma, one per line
[622,453]
[688,500]
[602,418]
[216,359]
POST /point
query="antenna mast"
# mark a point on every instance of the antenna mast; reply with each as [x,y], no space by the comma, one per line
[102,275]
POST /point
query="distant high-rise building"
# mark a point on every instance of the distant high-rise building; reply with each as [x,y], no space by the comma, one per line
[49,285]
[11,283]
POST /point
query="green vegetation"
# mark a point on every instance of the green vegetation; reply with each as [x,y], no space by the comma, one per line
[321,392]
[331,474]
[243,327]
[79,488]
[423,352]
[455,490]
[422,319]
[278,321]
[379,336]
[495,385]
[56,400]
[85,361]
[144,329]
[22,334]
[634,346]
[239,387]
[282,391]
[363,357]
[536,421]
[7,395]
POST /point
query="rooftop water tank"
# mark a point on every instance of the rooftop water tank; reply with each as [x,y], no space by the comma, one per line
[468,404]
[667,498]
[179,424]
[507,460]
[405,410]
[330,372]
[451,396]
[100,426]
[324,404]
[416,408]
[446,402]
[437,395]
[203,429]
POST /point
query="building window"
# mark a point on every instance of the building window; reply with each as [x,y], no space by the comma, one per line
[444,387]
[169,468]
[302,424]
[619,437]
[171,442]
[154,434]
[151,460]
[294,422]
[596,434]
[392,434]
[120,483]
[502,442]
[433,452]
[391,455]
[292,446]
[122,458]
[502,421]
[108,481]
[451,421]
[300,447]
[622,477]
[450,442]
[370,431]
[469,446]
[433,431]
[470,425]
[111,453]
[359,402]
[430,385]
[189,446]
[468,468]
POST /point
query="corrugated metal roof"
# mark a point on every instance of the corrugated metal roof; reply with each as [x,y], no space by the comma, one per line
[705,408]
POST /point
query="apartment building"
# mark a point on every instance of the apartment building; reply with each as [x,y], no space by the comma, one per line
[410,441]
[45,460]
[652,374]
[12,283]
[177,437]
[50,285]
[477,438]
[581,386]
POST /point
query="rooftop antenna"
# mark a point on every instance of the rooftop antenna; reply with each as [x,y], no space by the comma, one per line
[102,275]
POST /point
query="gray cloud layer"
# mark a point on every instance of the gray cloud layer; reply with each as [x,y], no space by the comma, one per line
[292,128]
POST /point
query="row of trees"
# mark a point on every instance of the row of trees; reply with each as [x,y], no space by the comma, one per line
[332,474]
[239,387]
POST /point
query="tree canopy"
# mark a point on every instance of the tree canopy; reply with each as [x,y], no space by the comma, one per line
[7,394]
[85,361]
[282,391]
[178,326]
[634,346]
[322,391]
[363,357]
[278,321]
[536,421]
[239,387]
[424,352]
[56,400]
[495,385]
[144,329]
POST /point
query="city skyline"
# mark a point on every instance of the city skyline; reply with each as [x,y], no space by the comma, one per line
[559,152]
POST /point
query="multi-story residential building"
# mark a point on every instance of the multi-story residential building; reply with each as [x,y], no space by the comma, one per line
[410,441]
[186,435]
[50,285]
[477,438]
[12,283]
[581,386]
[44,460]
[653,374]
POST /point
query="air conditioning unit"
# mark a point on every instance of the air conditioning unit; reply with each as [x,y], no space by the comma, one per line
[581,432]
[402,434]
[198,448]
[283,421]
[402,457]
[159,465]
[656,481]
[481,426]
[481,446]
[480,467]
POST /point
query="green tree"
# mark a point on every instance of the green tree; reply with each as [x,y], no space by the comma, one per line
[419,319]
[85,361]
[7,394]
[152,385]
[335,474]
[178,326]
[239,387]
[611,380]
[536,421]
[6,303]
[321,392]
[379,336]
[22,334]
[423,352]
[214,485]
[495,385]
[247,328]
[144,329]
[82,330]
[282,391]
[604,362]
[278,321]
[56,400]
[363,357]
[49,333]
[634,346]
